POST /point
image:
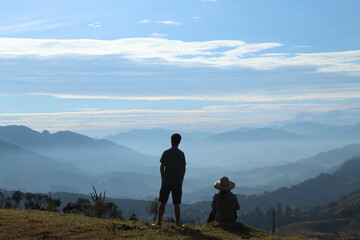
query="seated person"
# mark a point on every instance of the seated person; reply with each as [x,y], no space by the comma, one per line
[225,203]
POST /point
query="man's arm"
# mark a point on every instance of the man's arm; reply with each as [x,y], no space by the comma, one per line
[183,170]
[162,171]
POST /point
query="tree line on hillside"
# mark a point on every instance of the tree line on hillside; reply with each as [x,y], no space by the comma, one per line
[97,207]
[37,201]
[285,215]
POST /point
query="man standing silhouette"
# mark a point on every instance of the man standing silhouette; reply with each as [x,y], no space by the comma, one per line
[172,171]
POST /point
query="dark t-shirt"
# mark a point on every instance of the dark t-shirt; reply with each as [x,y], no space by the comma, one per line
[174,161]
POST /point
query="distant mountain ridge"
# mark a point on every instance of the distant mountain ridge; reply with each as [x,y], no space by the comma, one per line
[31,139]
[155,141]
[144,134]
[261,134]
[323,131]
[333,157]
[90,155]
[113,163]
[313,129]
[29,171]
[322,189]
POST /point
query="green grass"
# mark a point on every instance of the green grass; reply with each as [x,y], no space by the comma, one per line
[31,224]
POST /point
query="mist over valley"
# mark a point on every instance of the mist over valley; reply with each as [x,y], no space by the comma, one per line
[126,165]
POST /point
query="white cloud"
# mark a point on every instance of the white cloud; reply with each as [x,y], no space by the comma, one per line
[260,97]
[95,25]
[301,46]
[145,21]
[158,35]
[215,116]
[217,54]
[210,0]
[86,109]
[167,22]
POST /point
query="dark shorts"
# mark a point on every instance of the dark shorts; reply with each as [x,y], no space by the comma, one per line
[176,192]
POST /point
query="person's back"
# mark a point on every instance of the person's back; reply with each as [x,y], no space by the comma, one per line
[225,205]
[172,170]
[173,159]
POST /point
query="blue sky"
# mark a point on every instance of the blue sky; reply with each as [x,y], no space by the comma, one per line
[99,67]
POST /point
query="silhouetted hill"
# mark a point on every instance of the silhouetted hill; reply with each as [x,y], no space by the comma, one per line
[339,219]
[90,155]
[333,157]
[350,168]
[347,206]
[261,134]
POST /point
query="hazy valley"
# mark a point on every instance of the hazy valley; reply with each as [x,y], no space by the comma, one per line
[257,160]
[323,167]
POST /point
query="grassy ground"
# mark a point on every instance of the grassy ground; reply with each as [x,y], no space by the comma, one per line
[31,224]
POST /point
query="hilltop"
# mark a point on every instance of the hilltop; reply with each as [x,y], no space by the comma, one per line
[340,219]
[31,224]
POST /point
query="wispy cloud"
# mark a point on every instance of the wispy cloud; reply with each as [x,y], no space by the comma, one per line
[34,25]
[168,22]
[95,25]
[145,21]
[225,115]
[217,54]
[158,35]
[338,94]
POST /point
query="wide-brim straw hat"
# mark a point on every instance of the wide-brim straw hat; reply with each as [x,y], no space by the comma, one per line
[224,184]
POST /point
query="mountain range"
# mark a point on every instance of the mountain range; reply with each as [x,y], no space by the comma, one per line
[319,190]
[30,171]
[245,148]
[43,162]
[261,134]
[92,156]
[85,161]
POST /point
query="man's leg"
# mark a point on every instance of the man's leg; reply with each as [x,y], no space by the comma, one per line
[176,195]
[163,198]
[161,212]
[177,213]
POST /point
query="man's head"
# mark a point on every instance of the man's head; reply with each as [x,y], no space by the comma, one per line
[175,139]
